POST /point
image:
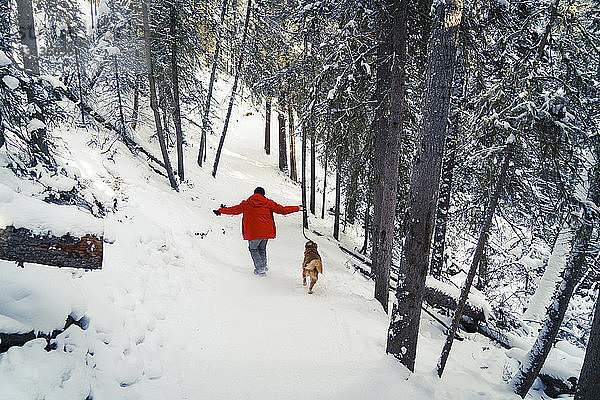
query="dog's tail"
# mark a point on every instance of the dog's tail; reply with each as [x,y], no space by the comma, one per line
[315,264]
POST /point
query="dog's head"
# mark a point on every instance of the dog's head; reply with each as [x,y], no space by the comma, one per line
[310,245]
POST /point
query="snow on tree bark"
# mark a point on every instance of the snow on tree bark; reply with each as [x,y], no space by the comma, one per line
[581,223]
[536,357]
[541,299]
[404,326]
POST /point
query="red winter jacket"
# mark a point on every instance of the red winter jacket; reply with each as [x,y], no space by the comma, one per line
[257,222]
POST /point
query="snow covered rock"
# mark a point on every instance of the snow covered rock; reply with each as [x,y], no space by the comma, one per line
[10,81]
[29,303]
[4,60]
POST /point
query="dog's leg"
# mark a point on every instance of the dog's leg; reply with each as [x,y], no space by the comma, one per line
[313,280]
[303,276]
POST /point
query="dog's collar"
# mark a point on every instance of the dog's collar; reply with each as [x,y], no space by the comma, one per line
[311,251]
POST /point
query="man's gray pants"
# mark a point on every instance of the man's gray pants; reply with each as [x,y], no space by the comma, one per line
[258,251]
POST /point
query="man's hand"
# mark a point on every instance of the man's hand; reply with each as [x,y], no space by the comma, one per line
[217,213]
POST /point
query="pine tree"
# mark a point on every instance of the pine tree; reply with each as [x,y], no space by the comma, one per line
[404,326]
[390,74]
[481,242]
[153,99]
[582,224]
[211,82]
[240,62]
[175,85]
[268,125]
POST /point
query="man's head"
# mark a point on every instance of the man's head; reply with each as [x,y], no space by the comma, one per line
[259,190]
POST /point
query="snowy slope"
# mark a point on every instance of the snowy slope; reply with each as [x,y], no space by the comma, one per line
[176,312]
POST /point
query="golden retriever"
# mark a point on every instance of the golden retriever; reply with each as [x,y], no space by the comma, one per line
[312,265]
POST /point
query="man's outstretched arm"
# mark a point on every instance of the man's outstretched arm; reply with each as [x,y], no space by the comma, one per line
[234,210]
[279,209]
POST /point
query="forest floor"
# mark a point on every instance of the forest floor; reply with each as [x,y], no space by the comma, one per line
[176,312]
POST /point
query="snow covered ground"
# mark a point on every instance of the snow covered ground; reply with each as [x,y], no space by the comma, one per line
[176,312]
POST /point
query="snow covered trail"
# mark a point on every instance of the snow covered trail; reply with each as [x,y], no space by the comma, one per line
[176,312]
[206,328]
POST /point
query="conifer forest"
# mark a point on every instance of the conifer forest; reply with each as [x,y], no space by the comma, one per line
[442,156]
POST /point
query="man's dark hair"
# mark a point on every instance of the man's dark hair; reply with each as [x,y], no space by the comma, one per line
[259,190]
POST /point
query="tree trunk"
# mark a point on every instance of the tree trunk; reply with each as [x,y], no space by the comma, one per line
[211,82]
[31,65]
[588,385]
[583,218]
[153,101]
[536,357]
[78,66]
[293,172]
[92,12]
[282,146]
[166,126]
[443,206]
[136,103]
[233,89]
[304,129]
[96,75]
[352,195]
[541,299]
[325,177]
[390,90]
[404,327]
[175,82]
[338,193]
[313,171]
[483,235]
[483,273]
[546,35]
[23,245]
[5,25]
[268,126]
[28,38]
[118,85]
[363,250]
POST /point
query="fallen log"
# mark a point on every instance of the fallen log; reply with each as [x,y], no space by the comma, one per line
[557,387]
[439,299]
[22,245]
[8,340]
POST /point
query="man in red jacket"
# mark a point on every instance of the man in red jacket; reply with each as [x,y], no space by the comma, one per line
[258,225]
